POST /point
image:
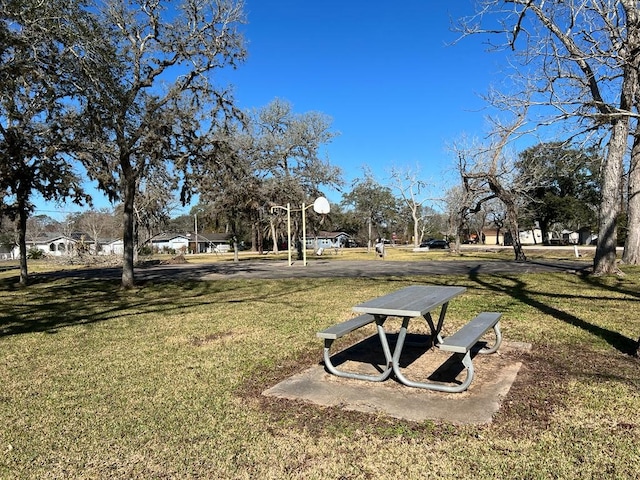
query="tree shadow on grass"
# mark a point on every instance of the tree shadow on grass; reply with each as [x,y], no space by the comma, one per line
[49,305]
[519,291]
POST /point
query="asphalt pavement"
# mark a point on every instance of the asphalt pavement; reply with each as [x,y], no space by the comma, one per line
[316,268]
[352,268]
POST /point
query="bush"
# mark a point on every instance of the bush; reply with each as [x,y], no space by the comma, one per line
[35,253]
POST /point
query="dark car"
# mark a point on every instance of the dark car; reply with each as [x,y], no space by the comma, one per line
[435,244]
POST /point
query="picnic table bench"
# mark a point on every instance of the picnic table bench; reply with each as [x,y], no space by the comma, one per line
[407,303]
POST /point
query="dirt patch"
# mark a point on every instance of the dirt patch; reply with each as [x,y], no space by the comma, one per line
[207,339]
[177,260]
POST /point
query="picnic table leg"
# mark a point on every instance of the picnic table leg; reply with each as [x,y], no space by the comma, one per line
[380,319]
[363,376]
[466,361]
[402,335]
[494,348]
[435,330]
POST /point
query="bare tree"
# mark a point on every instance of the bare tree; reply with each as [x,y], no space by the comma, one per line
[414,194]
[487,173]
[631,253]
[497,216]
[37,226]
[96,223]
[581,59]
[153,204]
[456,208]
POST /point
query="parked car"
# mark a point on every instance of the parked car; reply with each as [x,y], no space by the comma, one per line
[435,244]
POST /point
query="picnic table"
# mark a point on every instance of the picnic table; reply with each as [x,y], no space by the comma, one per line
[415,301]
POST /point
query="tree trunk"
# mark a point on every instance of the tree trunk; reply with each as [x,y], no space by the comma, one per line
[416,238]
[510,205]
[254,237]
[604,261]
[128,237]
[544,231]
[631,255]
[515,236]
[459,227]
[259,239]
[236,258]
[22,243]
[274,235]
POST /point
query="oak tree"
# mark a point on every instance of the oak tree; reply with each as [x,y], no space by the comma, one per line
[374,205]
[37,82]
[564,185]
[145,92]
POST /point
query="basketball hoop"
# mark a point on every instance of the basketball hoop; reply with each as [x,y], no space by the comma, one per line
[321,206]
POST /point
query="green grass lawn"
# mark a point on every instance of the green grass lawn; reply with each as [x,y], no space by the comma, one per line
[165,381]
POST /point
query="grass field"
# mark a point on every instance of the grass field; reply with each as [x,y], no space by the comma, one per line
[165,381]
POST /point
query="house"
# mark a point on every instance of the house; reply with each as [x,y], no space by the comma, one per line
[6,252]
[584,236]
[493,236]
[531,237]
[503,237]
[111,247]
[190,242]
[170,243]
[587,237]
[57,245]
[327,240]
[527,237]
[210,242]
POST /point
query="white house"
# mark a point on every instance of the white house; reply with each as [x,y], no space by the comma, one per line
[212,242]
[57,245]
[190,242]
[170,242]
[7,253]
[111,247]
[328,240]
[531,237]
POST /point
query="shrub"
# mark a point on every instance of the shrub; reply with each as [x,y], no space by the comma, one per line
[35,253]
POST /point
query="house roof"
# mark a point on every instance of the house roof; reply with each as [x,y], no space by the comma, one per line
[190,237]
[325,234]
[52,237]
[167,237]
[214,237]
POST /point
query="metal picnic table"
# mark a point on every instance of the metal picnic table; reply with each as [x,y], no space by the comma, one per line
[407,303]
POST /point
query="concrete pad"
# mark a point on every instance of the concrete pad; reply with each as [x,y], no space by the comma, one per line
[493,378]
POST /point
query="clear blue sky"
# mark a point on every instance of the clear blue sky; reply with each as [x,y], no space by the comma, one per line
[386,74]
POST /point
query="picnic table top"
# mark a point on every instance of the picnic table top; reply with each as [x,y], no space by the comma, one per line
[411,301]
